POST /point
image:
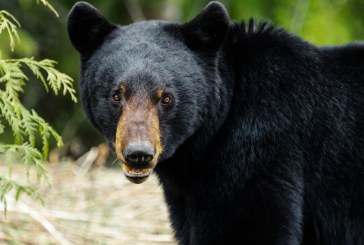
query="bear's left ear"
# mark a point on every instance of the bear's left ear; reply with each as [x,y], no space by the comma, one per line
[207,30]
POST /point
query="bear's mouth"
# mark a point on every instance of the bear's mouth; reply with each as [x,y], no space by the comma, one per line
[136,175]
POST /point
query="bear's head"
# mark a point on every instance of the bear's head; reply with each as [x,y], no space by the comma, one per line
[147,86]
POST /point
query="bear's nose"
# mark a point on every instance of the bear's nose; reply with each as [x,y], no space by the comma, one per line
[138,154]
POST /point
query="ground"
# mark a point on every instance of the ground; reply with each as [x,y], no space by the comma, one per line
[97,206]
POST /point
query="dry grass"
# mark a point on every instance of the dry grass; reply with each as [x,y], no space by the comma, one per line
[98,207]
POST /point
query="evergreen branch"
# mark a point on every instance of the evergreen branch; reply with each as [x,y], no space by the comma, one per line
[48,5]
[1,128]
[28,155]
[55,79]
[7,185]
[17,116]
[46,131]
[26,124]
[12,114]
[37,72]
[10,24]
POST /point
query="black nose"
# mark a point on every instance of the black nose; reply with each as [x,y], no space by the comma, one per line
[138,154]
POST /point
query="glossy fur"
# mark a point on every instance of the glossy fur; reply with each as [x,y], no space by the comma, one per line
[264,143]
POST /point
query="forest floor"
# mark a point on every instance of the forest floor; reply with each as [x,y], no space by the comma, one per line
[96,205]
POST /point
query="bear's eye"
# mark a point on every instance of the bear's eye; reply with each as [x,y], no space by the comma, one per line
[166,99]
[116,97]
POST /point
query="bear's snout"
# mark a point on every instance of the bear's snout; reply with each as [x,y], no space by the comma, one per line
[138,139]
[139,155]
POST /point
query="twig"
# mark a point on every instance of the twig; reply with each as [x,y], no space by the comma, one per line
[134,10]
[40,219]
[86,161]
[156,238]
[66,215]
[299,15]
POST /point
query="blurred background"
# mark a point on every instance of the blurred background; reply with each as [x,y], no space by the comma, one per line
[100,207]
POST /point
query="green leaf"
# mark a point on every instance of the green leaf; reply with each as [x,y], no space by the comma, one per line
[37,72]
[55,79]
[9,24]
[31,157]
[7,185]
[1,128]
[48,5]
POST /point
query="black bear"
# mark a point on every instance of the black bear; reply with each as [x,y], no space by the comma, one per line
[256,136]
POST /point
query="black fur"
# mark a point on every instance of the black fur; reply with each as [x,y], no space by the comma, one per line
[264,143]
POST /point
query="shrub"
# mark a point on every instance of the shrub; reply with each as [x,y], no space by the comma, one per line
[26,125]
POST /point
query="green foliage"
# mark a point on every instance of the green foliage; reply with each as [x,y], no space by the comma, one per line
[7,185]
[31,133]
[48,5]
[9,24]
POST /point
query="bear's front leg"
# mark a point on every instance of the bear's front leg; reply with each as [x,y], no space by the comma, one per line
[267,209]
[178,216]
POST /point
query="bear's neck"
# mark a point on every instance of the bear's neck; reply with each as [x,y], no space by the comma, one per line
[220,82]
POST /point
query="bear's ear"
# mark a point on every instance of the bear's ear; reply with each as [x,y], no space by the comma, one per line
[87,28]
[208,29]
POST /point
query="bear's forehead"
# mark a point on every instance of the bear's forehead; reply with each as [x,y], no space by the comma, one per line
[146,41]
[145,34]
[141,48]
[150,28]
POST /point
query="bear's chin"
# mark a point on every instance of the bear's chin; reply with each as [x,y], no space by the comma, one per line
[136,176]
[136,180]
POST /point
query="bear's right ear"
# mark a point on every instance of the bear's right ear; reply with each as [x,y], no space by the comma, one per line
[208,29]
[87,28]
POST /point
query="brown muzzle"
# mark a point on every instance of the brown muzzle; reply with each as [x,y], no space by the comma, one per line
[138,140]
